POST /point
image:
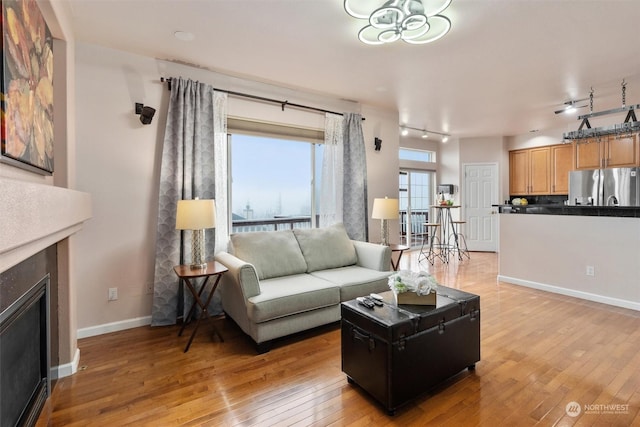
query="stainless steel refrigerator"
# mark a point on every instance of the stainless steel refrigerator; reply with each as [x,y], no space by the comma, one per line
[605,187]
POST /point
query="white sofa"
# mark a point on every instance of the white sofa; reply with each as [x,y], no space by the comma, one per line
[283,282]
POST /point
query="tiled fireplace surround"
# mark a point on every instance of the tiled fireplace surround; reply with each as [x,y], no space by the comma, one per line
[36,217]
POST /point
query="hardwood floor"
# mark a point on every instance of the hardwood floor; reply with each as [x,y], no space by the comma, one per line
[540,352]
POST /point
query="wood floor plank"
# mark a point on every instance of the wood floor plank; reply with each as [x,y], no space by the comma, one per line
[539,352]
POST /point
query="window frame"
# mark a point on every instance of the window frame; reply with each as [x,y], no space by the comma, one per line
[264,129]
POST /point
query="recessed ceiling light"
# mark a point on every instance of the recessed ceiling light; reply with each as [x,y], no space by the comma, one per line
[185,36]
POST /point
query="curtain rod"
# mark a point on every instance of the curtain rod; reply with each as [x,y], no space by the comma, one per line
[283,104]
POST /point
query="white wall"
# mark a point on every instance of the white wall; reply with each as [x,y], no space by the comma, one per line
[552,252]
[536,139]
[487,150]
[457,152]
[383,165]
[118,163]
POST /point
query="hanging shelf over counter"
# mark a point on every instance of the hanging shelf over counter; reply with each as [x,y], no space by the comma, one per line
[630,124]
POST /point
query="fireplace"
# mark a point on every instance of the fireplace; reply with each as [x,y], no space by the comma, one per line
[25,339]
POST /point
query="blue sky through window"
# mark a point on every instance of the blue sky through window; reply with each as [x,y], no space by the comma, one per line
[272,176]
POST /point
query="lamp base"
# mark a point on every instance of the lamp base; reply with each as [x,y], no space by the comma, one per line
[384,232]
[197,250]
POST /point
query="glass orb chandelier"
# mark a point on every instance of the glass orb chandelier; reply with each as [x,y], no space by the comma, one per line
[406,20]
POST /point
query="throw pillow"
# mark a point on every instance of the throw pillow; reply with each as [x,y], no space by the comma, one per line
[325,248]
[272,253]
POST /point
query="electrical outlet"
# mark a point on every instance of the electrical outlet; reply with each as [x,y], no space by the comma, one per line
[150,288]
[113,294]
[590,270]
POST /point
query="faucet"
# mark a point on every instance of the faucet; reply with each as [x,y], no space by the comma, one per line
[612,200]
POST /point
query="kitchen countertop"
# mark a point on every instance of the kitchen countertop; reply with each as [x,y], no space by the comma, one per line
[581,210]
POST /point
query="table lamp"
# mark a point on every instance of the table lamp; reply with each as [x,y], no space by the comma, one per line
[196,215]
[385,209]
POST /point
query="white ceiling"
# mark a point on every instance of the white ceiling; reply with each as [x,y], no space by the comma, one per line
[503,69]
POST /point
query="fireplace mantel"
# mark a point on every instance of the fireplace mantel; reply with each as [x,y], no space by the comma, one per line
[35,216]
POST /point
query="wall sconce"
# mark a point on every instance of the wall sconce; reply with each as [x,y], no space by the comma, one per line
[378,143]
[146,113]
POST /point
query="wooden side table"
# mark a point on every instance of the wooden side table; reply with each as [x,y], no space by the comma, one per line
[397,248]
[186,273]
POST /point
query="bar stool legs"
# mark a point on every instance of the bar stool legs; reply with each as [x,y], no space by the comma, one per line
[460,240]
[435,248]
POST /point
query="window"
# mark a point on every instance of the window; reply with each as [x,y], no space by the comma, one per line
[417,155]
[272,179]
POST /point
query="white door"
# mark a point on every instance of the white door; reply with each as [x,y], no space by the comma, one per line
[480,192]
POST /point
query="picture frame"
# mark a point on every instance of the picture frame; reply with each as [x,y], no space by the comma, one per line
[26,113]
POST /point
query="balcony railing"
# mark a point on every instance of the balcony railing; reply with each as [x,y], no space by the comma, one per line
[415,224]
[270,224]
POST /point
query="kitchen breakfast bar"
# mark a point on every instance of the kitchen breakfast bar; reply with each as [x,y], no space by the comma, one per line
[588,252]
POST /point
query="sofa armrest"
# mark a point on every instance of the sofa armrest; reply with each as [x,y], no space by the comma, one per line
[241,274]
[373,255]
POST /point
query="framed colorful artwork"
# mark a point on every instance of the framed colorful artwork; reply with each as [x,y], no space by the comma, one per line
[27,87]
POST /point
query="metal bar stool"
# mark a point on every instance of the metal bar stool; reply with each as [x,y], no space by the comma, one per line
[435,248]
[460,239]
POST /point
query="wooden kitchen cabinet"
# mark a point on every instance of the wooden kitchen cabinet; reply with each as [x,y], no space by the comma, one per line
[621,151]
[530,171]
[518,172]
[587,152]
[611,151]
[561,165]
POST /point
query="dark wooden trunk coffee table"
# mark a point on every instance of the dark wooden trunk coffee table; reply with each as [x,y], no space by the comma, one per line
[397,353]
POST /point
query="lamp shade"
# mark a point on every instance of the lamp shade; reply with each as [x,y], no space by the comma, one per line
[195,214]
[385,208]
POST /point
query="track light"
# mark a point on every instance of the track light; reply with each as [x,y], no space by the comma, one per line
[571,106]
[404,131]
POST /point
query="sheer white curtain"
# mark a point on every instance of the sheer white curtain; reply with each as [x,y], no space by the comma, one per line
[220,170]
[331,182]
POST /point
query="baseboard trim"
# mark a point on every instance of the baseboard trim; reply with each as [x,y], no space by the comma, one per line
[617,302]
[113,327]
[67,369]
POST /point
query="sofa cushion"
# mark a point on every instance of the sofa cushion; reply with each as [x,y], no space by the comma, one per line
[355,281]
[328,247]
[272,253]
[286,296]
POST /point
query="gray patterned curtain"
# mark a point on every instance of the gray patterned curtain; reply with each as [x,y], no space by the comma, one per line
[187,172]
[355,214]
